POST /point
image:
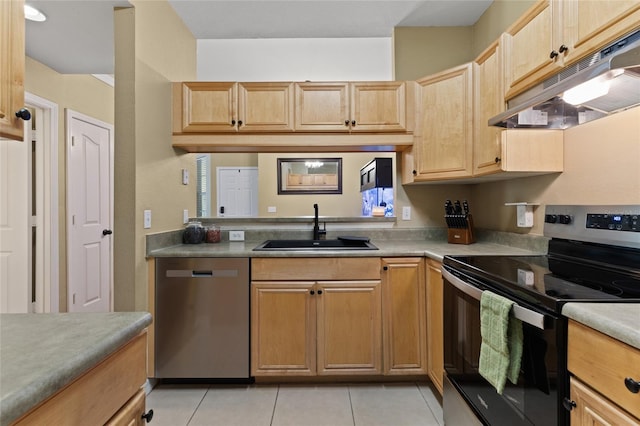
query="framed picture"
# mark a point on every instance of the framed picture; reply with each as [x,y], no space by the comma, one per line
[309,175]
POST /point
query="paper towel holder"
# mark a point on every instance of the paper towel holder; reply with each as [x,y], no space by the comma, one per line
[524,213]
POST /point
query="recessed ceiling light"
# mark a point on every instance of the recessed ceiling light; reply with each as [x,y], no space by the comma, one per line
[33,14]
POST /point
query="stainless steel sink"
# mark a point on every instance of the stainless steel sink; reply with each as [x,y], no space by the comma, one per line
[338,244]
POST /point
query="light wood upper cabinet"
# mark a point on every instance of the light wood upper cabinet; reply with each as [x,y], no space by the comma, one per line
[435,334]
[591,24]
[405,343]
[209,107]
[322,107]
[379,106]
[488,85]
[556,33]
[444,135]
[11,69]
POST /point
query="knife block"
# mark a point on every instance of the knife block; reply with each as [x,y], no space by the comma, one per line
[462,235]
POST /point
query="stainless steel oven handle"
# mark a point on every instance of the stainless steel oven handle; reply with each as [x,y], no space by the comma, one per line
[523,314]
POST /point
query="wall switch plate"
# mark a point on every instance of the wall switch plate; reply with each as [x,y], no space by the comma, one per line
[147,219]
[185,177]
[236,235]
[271,209]
[406,213]
[185,216]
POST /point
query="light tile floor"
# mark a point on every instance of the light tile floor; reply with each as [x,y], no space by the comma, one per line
[405,404]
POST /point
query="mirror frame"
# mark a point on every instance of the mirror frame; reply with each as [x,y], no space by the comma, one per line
[303,184]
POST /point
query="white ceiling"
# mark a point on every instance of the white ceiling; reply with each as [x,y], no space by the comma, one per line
[77,37]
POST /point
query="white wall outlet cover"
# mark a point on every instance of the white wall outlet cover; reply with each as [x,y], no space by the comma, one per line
[271,209]
[185,177]
[406,213]
[236,235]
[185,216]
[147,219]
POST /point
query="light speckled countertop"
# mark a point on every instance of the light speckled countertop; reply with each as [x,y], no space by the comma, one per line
[42,353]
[433,249]
[618,320]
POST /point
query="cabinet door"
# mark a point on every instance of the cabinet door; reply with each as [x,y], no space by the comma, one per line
[443,147]
[322,107]
[131,413]
[378,106]
[435,334]
[529,44]
[349,327]
[283,328]
[488,79]
[11,69]
[594,409]
[204,107]
[404,333]
[265,107]
[591,24]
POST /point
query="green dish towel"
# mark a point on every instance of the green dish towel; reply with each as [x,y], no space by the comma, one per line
[501,348]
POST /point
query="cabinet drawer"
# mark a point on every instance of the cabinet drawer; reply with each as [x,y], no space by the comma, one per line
[315,268]
[603,363]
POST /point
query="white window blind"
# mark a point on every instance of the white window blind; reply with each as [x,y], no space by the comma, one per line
[203,185]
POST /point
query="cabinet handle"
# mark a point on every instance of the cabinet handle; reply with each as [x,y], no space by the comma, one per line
[498,159]
[147,417]
[24,114]
[384,268]
[233,122]
[563,49]
[353,123]
[239,123]
[632,385]
[319,291]
[568,404]
[2,114]
[346,122]
[312,292]
[414,172]
[553,54]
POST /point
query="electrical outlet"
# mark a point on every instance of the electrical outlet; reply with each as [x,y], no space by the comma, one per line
[271,209]
[406,213]
[185,216]
[236,235]
[147,219]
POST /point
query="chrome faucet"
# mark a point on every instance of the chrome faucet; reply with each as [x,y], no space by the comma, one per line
[317,232]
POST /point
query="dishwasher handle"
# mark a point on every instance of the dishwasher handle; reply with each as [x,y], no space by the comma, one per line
[526,315]
[201,273]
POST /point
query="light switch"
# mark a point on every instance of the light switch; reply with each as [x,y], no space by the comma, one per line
[185,216]
[147,219]
[406,213]
[185,177]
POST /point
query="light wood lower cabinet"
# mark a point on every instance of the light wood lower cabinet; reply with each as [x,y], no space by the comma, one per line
[600,365]
[403,302]
[111,388]
[301,326]
[435,324]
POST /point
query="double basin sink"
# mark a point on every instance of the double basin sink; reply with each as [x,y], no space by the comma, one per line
[341,243]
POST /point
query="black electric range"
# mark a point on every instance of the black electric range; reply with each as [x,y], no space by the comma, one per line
[593,256]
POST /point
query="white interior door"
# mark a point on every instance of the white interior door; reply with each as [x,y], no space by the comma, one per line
[89,213]
[237,191]
[15,231]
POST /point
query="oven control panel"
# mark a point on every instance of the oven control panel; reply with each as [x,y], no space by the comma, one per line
[614,222]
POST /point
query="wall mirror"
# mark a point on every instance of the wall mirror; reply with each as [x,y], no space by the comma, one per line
[309,175]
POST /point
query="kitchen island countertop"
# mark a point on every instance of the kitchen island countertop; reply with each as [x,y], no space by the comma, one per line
[40,354]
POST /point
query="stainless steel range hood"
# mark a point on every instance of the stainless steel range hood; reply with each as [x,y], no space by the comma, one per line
[546,106]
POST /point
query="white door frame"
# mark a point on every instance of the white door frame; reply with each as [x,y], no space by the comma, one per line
[48,185]
[70,115]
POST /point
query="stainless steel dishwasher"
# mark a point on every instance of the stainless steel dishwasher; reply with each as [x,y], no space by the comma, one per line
[202,318]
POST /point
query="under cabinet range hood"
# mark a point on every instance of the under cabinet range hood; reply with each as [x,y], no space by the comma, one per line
[601,84]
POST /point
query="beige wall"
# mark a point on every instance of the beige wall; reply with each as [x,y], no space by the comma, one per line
[495,20]
[81,93]
[153,48]
[601,166]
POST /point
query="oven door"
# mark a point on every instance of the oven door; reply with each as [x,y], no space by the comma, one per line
[533,400]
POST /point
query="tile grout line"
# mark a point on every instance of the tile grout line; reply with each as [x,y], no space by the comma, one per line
[426,402]
[273,412]
[198,406]
[353,416]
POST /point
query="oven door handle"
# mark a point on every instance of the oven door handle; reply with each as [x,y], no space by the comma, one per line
[523,314]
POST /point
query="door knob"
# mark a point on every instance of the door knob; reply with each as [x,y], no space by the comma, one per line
[107,232]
